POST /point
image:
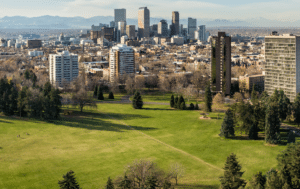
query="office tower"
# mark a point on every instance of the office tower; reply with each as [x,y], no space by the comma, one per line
[120,15]
[175,23]
[63,67]
[107,33]
[181,29]
[162,28]
[282,64]
[112,24]
[192,26]
[200,34]
[31,44]
[144,22]
[130,31]
[221,63]
[121,61]
[122,28]
[153,30]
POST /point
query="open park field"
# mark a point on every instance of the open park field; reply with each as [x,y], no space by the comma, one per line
[100,142]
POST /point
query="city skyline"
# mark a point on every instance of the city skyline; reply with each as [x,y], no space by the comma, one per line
[216,9]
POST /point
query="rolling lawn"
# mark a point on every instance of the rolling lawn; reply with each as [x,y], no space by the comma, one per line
[100,142]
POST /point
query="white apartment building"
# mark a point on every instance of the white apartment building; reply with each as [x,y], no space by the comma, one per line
[63,67]
[282,64]
[35,53]
[121,61]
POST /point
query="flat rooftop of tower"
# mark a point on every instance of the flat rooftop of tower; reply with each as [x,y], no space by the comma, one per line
[282,36]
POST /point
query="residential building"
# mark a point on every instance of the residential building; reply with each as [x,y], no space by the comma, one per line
[144,22]
[162,28]
[282,64]
[175,23]
[221,63]
[246,82]
[31,44]
[121,61]
[192,27]
[63,67]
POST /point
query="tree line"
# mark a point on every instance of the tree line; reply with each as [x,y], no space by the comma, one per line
[36,102]
[261,114]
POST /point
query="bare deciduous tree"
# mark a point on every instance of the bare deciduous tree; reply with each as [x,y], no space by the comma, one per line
[176,171]
[82,99]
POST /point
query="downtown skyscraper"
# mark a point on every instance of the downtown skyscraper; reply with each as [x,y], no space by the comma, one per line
[175,23]
[144,22]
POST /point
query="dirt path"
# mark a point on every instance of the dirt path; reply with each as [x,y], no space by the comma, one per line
[172,147]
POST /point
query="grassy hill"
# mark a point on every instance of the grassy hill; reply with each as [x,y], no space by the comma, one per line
[101,142]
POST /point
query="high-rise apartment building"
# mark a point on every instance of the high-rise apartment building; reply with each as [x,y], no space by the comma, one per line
[221,63]
[130,31]
[144,22]
[63,67]
[175,23]
[282,67]
[162,28]
[121,61]
[120,15]
[192,27]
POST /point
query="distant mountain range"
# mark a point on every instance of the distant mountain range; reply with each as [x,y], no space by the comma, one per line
[56,22]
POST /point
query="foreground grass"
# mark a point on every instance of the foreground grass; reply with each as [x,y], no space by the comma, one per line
[99,143]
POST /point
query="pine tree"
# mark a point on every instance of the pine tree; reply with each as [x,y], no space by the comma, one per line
[192,107]
[284,104]
[196,106]
[172,101]
[96,91]
[273,180]
[111,95]
[180,101]
[253,95]
[100,94]
[125,183]
[258,181]
[272,133]
[232,174]
[182,106]
[137,101]
[296,109]
[227,128]
[176,102]
[109,184]
[208,99]
[253,133]
[69,181]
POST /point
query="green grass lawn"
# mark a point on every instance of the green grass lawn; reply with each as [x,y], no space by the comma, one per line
[98,143]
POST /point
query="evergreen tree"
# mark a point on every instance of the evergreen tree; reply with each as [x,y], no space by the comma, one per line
[172,101]
[100,94]
[125,183]
[180,101]
[253,133]
[182,106]
[296,109]
[111,95]
[21,101]
[192,107]
[55,100]
[109,184]
[176,102]
[137,101]
[258,181]
[196,106]
[273,180]
[275,96]
[232,174]
[151,182]
[264,97]
[227,128]
[47,88]
[69,181]
[96,91]
[253,95]
[208,99]
[272,133]
[284,104]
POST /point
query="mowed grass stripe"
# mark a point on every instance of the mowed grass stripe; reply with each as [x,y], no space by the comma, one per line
[172,147]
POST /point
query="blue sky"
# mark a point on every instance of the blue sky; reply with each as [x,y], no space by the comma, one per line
[286,10]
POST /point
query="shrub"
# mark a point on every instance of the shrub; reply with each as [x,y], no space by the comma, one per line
[111,95]
[196,106]
[192,107]
[137,101]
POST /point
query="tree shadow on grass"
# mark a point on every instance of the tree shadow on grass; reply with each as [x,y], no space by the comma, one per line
[1,121]
[158,109]
[196,186]
[97,121]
